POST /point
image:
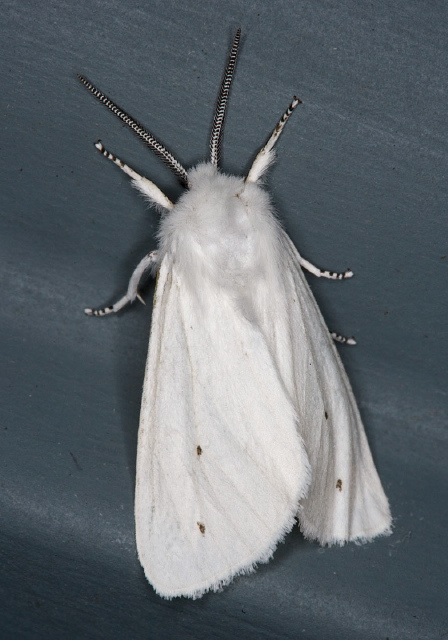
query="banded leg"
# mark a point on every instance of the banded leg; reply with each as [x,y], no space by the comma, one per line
[265,156]
[332,275]
[146,186]
[132,291]
[342,339]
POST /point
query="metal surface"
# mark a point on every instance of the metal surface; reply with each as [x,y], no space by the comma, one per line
[360,182]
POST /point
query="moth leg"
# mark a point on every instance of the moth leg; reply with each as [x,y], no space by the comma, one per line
[342,339]
[332,275]
[132,291]
[144,185]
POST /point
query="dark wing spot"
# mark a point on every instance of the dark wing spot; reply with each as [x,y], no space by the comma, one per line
[339,484]
[199,450]
[201,527]
[326,415]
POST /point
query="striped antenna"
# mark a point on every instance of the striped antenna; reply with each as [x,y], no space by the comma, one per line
[147,137]
[220,111]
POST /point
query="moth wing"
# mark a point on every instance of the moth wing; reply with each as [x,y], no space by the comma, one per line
[220,465]
[345,500]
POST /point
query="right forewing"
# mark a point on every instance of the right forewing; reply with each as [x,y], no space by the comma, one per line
[345,500]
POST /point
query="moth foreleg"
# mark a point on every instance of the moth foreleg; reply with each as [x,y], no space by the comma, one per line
[132,291]
[342,339]
[332,275]
[144,185]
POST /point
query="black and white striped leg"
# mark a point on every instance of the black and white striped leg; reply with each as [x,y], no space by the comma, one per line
[342,339]
[332,275]
[123,166]
[132,291]
[146,186]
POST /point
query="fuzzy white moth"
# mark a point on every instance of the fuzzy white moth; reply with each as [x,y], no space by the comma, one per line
[248,419]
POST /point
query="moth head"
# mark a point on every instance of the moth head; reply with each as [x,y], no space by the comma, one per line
[211,193]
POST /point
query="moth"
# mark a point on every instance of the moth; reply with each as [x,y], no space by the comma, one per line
[248,421]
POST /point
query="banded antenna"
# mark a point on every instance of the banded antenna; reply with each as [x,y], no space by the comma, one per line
[220,111]
[137,128]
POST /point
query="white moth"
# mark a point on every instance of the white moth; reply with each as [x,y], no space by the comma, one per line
[248,420]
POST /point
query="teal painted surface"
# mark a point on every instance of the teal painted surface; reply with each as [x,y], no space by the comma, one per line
[360,182]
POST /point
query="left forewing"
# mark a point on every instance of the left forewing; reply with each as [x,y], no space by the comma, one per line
[221,466]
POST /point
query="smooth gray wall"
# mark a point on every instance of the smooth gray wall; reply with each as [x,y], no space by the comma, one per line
[360,182]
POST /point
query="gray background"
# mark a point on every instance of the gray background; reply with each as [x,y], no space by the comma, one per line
[360,182]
